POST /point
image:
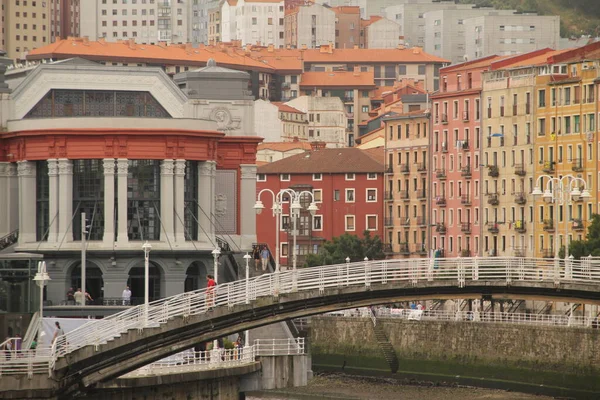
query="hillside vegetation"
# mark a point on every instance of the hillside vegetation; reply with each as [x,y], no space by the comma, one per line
[577,17]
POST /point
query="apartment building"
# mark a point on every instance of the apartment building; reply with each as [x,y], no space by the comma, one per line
[347,185]
[410,17]
[269,152]
[508,124]
[566,144]
[494,33]
[310,26]
[406,203]
[367,8]
[146,22]
[446,32]
[29,24]
[327,120]
[279,122]
[200,19]
[380,33]
[253,22]
[456,170]
[347,27]
[214,25]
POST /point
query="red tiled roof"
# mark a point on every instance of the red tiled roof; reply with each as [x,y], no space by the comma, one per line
[284,146]
[287,108]
[335,161]
[346,10]
[338,79]
[367,56]
[367,22]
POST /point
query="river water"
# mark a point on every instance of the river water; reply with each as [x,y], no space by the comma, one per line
[340,386]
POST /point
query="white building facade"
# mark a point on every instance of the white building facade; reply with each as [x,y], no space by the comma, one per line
[327,120]
[253,21]
[382,34]
[311,26]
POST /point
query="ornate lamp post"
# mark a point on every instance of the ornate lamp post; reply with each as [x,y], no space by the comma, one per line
[146,247]
[41,279]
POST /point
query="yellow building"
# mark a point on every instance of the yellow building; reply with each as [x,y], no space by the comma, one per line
[406,203]
[565,145]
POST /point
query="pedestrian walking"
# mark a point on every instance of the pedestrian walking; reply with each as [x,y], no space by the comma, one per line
[79,297]
[58,331]
[210,291]
[256,255]
[126,296]
[264,255]
[70,297]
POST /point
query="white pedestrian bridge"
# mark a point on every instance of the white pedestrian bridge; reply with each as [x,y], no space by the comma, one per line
[102,350]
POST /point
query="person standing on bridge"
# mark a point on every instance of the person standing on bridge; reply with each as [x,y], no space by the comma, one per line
[210,291]
[79,297]
[264,255]
[256,255]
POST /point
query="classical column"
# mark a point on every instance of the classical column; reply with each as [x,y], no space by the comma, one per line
[122,168]
[179,200]
[247,198]
[206,200]
[53,200]
[27,202]
[65,200]
[166,199]
[12,197]
[5,169]
[109,201]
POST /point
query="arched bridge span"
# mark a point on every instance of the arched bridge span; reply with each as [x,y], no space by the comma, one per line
[103,350]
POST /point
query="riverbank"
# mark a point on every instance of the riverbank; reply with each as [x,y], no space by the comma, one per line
[353,387]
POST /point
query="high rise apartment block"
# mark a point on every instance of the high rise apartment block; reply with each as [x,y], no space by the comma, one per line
[199,16]
[28,24]
[309,26]
[145,21]
[253,21]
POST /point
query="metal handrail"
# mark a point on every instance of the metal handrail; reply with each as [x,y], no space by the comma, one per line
[98,332]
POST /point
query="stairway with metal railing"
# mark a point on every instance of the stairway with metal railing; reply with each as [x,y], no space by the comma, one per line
[8,240]
[384,344]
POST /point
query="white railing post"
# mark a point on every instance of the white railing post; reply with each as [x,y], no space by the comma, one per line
[430,268]
[339,274]
[384,272]
[475,269]
[508,271]
[461,272]
[556,271]
[322,279]
[413,273]
[521,268]
[347,271]
[367,273]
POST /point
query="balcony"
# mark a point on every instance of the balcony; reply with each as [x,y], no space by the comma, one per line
[444,118]
[404,221]
[285,85]
[389,196]
[404,195]
[389,170]
[492,227]
[548,225]
[440,228]
[465,200]
[519,170]
[405,168]
[404,249]
[577,165]
[548,167]
[493,171]
[578,225]
[440,173]
[466,171]
[520,226]
[493,199]
[421,194]
[518,252]
[465,253]
[465,146]
[348,99]
[548,253]
[422,221]
[420,248]
[440,201]
[465,116]
[422,168]
[387,248]
[389,222]
[520,198]
[465,227]
[444,147]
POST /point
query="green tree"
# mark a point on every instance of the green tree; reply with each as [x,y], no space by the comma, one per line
[591,244]
[346,245]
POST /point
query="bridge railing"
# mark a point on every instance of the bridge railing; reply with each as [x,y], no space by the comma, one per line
[456,270]
[24,362]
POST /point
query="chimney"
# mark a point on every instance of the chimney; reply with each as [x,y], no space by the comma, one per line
[304,47]
[86,40]
[296,140]
[131,43]
[102,40]
[271,48]
[316,146]
[355,47]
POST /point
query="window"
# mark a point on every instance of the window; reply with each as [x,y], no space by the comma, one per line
[350,196]
[371,195]
[317,223]
[284,249]
[350,223]
[284,177]
[336,195]
[317,177]
[318,195]
[261,177]
[350,176]
[372,176]
[365,109]
[371,222]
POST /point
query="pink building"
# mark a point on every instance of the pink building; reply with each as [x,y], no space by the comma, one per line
[456,159]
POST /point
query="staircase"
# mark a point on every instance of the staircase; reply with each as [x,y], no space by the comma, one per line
[384,345]
[8,240]
[515,305]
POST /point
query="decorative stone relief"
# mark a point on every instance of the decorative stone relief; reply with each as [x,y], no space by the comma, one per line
[248,171]
[180,167]
[225,121]
[220,205]
[109,166]
[65,167]
[52,167]
[122,167]
[167,167]
[25,168]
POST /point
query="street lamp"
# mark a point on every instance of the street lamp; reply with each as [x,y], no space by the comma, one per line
[146,247]
[41,279]
[247,258]
[216,253]
[561,191]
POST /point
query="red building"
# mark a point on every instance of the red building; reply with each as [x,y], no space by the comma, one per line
[347,185]
[455,152]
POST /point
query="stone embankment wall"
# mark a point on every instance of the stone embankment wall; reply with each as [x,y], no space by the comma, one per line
[559,356]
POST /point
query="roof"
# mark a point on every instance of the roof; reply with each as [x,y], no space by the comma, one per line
[532,59]
[367,22]
[284,146]
[327,161]
[366,56]
[346,10]
[473,64]
[338,79]
[376,153]
[286,108]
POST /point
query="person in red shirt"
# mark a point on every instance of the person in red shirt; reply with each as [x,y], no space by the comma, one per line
[210,291]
